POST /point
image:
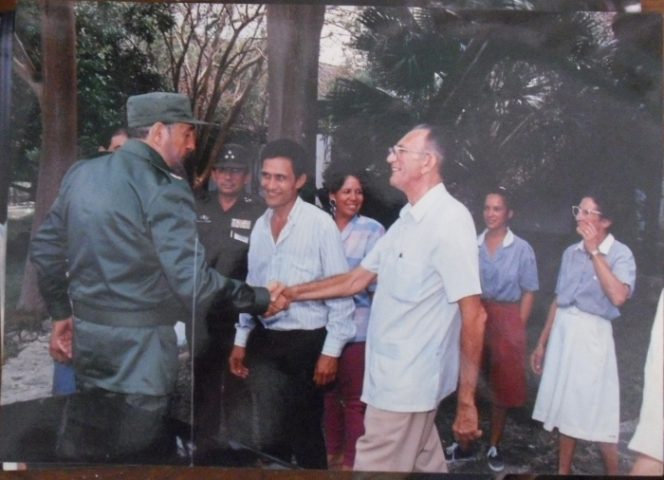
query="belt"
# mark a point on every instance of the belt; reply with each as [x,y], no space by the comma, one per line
[125,318]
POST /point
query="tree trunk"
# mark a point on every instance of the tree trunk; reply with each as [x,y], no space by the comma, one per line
[58,109]
[292,52]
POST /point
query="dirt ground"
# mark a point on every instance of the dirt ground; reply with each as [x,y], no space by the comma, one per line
[527,448]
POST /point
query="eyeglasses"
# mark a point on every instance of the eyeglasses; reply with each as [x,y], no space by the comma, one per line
[231,170]
[583,211]
[396,150]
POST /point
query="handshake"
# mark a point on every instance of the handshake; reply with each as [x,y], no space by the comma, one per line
[280,298]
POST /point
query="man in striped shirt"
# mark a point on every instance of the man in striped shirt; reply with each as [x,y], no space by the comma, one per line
[294,352]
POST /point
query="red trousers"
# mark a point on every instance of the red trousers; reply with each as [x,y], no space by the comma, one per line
[344,412]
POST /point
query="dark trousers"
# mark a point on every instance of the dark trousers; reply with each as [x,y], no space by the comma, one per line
[222,402]
[289,405]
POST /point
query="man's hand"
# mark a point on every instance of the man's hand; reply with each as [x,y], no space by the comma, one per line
[473,318]
[60,345]
[466,428]
[236,362]
[278,302]
[326,370]
[275,288]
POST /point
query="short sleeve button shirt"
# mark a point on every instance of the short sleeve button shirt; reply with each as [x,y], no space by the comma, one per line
[425,263]
[578,284]
[511,271]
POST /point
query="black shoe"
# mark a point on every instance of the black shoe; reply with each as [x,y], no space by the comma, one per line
[454,453]
[495,459]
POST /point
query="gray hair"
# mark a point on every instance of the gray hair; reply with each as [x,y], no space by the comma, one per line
[437,139]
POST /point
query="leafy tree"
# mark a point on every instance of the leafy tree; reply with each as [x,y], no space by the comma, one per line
[533,99]
[115,59]
[216,55]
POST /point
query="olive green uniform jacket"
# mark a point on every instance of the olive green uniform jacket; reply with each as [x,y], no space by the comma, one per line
[119,250]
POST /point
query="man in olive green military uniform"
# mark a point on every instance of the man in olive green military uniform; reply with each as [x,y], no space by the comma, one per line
[225,218]
[118,259]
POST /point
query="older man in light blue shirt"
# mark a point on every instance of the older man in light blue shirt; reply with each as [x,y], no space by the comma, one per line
[427,324]
[294,242]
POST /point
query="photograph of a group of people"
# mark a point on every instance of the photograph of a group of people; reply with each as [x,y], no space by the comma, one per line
[414,238]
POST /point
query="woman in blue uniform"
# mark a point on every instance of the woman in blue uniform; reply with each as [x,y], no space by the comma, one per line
[508,272]
[575,354]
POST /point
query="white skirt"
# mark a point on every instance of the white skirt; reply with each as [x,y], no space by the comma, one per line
[579,392]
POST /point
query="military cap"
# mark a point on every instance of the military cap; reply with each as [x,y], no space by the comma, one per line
[233,155]
[149,108]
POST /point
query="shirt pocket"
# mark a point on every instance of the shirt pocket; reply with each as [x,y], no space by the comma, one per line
[294,268]
[404,280]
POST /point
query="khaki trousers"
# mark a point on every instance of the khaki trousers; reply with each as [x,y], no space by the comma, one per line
[399,442]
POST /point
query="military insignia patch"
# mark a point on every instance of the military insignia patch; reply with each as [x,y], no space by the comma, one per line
[240,223]
[240,238]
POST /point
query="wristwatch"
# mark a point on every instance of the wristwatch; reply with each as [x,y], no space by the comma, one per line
[594,253]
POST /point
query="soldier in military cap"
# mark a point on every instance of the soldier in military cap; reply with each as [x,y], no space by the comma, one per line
[118,262]
[225,218]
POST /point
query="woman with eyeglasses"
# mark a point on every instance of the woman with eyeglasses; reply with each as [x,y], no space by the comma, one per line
[575,354]
[344,412]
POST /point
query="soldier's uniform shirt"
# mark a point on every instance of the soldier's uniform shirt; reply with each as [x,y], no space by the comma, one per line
[225,235]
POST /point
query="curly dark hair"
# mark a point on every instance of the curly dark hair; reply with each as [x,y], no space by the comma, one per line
[334,177]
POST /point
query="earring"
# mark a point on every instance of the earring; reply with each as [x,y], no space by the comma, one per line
[333,207]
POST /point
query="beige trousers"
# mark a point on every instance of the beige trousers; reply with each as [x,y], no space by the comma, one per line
[399,442]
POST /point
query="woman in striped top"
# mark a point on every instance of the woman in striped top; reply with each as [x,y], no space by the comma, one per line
[344,412]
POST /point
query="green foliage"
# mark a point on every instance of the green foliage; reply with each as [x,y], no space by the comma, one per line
[114,42]
[114,60]
[544,104]
[25,123]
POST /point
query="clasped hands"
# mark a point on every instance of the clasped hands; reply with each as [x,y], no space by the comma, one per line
[279,298]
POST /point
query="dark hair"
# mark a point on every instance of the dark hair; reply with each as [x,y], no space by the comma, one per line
[605,200]
[112,131]
[139,133]
[502,193]
[334,178]
[286,148]
[119,131]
